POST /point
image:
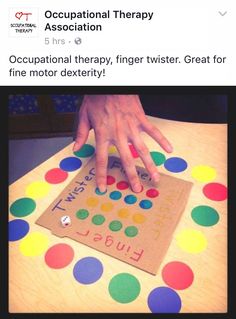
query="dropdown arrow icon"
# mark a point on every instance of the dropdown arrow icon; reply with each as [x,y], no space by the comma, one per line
[222,13]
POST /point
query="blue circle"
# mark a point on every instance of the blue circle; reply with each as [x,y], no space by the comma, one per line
[145,204]
[164,300]
[175,164]
[115,195]
[88,270]
[70,164]
[130,199]
[17,229]
[97,191]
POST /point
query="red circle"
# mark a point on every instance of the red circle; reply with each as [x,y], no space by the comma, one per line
[215,191]
[56,176]
[152,193]
[177,275]
[59,256]
[133,151]
[122,185]
[110,180]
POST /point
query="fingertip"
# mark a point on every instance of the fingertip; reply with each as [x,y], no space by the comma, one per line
[137,188]
[156,177]
[76,147]
[102,188]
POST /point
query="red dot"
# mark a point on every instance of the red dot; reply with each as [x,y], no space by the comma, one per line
[59,256]
[110,180]
[56,176]
[133,151]
[122,185]
[152,193]
[177,275]
[215,191]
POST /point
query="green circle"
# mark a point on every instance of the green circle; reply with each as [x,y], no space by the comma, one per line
[158,158]
[124,288]
[205,215]
[98,219]
[115,225]
[82,213]
[85,151]
[22,207]
[131,231]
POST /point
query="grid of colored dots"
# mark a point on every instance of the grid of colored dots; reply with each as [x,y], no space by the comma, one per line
[122,185]
[82,213]
[145,204]
[115,225]
[152,193]
[107,207]
[92,201]
[110,180]
[139,218]
[133,151]
[115,195]
[131,231]
[123,213]
[97,191]
[130,199]
[98,219]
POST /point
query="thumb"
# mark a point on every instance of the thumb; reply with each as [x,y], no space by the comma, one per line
[82,132]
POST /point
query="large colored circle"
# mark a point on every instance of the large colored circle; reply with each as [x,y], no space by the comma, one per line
[164,300]
[158,158]
[205,215]
[110,180]
[115,195]
[122,185]
[82,213]
[22,207]
[59,256]
[192,241]
[133,151]
[215,191]
[37,189]
[124,288]
[70,164]
[55,176]
[131,231]
[152,193]
[175,164]
[130,199]
[203,173]
[85,151]
[177,275]
[17,229]
[88,270]
[145,204]
[115,225]
[98,219]
[34,244]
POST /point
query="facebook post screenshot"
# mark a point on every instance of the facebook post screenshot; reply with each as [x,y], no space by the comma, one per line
[116,158]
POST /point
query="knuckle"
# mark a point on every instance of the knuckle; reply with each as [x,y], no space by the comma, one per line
[128,161]
[101,162]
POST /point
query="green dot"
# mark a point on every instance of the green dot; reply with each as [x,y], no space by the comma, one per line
[158,158]
[115,225]
[82,213]
[85,151]
[205,215]
[98,219]
[124,288]
[131,231]
[22,207]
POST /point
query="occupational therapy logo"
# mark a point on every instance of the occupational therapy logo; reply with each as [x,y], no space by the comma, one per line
[23,22]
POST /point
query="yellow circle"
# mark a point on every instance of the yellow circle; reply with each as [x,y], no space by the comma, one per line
[191,241]
[123,212]
[112,149]
[92,201]
[203,173]
[106,207]
[37,189]
[139,218]
[34,244]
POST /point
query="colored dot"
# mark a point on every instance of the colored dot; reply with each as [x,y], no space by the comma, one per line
[192,241]
[139,218]
[82,213]
[70,164]
[177,275]
[130,199]
[55,176]
[115,195]
[88,270]
[34,244]
[215,191]
[85,151]
[17,229]
[203,173]
[122,185]
[131,231]
[175,164]
[98,219]
[92,201]
[59,256]
[123,212]
[145,204]
[110,180]
[22,207]
[133,151]
[37,189]
[124,288]
[158,158]
[152,193]
[107,207]
[205,215]
[112,149]
[164,300]
[97,191]
[115,225]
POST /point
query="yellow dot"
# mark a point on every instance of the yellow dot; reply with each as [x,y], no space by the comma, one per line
[112,149]
[34,244]
[37,189]
[106,207]
[191,241]
[139,218]
[203,173]
[92,201]
[123,213]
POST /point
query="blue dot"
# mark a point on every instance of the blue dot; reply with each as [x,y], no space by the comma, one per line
[145,204]
[97,191]
[115,195]
[130,199]
[70,164]
[164,300]
[17,229]
[88,270]
[175,164]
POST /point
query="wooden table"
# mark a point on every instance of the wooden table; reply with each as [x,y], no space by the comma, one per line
[34,287]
